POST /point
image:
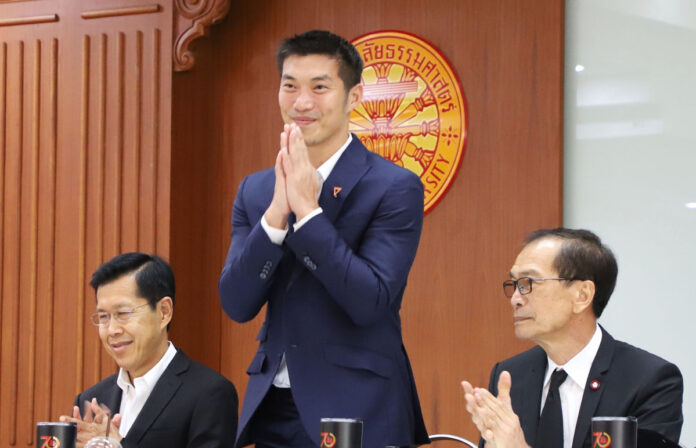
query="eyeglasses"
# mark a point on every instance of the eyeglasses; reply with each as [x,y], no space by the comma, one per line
[102,318]
[524,285]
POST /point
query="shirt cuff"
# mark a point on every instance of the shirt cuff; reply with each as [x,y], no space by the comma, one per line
[306,219]
[277,236]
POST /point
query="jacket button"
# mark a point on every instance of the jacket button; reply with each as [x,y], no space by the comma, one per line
[263,276]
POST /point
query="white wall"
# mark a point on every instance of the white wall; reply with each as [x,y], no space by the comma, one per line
[630,166]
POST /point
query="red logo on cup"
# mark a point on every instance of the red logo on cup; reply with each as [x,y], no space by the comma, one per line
[601,440]
[50,442]
[328,440]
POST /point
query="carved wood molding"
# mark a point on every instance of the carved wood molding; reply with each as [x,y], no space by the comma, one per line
[116,12]
[29,20]
[192,20]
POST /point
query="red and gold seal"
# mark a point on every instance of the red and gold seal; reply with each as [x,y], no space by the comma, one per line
[413,110]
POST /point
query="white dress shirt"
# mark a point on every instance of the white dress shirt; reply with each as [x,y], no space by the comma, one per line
[277,236]
[572,389]
[135,394]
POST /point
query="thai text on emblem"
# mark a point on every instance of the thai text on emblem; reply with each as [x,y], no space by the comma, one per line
[413,110]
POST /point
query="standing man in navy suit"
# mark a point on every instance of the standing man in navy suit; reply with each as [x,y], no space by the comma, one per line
[546,397]
[325,239]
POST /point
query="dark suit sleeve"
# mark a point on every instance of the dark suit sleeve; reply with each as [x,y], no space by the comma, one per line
[366,282]
[251,260]
[659,407]
[214,420]
[493,381]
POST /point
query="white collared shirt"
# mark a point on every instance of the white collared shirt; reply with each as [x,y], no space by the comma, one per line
[277,236]
[136,394]
[572,389]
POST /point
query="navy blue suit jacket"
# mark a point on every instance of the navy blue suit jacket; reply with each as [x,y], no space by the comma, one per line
[191,406]
[632,382]
[333,290]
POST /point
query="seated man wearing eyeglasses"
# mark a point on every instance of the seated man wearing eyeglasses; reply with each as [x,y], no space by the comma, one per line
[546,397]
[159,397]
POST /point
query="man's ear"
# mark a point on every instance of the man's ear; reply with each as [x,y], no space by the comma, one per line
[165,308]
[585,296]
[355,96]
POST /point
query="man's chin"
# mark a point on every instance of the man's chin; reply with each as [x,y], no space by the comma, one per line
[121,359]
[522,335]
[310,140]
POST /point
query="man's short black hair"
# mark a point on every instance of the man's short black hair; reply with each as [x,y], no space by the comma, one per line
[583,257]
[350,64]
[154,278]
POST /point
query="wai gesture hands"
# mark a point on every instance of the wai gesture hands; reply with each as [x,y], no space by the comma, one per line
[296,183]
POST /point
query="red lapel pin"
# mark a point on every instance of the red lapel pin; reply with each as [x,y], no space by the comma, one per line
[336,191]
[594,384]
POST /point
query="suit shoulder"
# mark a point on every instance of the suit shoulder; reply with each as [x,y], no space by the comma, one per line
[208,378]
[259,177]
[634,357]
[523,360]
[102,386]
[390,169]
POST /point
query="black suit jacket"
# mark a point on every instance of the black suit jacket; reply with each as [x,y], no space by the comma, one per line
[190,406]
[632,382]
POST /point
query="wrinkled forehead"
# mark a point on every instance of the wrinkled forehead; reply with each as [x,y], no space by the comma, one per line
[536,259]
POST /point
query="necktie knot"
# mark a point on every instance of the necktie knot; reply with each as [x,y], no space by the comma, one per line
[557,378]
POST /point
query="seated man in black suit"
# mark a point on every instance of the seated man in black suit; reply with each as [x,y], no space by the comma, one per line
[546,397]
[159,397]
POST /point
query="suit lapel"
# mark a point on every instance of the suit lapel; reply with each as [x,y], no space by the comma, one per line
[113,398]
[160,396]
[351,166]
[591,396]
[531,401]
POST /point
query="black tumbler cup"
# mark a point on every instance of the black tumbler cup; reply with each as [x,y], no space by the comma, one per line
[56,435]
[614,432]
[341,433]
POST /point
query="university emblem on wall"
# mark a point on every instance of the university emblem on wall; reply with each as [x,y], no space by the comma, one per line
[413,110]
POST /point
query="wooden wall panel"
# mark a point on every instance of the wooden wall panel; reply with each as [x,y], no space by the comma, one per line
[84,175]
[457,323]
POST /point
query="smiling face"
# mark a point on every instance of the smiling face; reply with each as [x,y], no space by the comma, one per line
[313,96]
[138,344]
[544,315]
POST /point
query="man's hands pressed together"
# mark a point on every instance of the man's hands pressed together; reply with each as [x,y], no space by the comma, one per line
[493,416]
[277,213]
[94,422]
[296,185]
